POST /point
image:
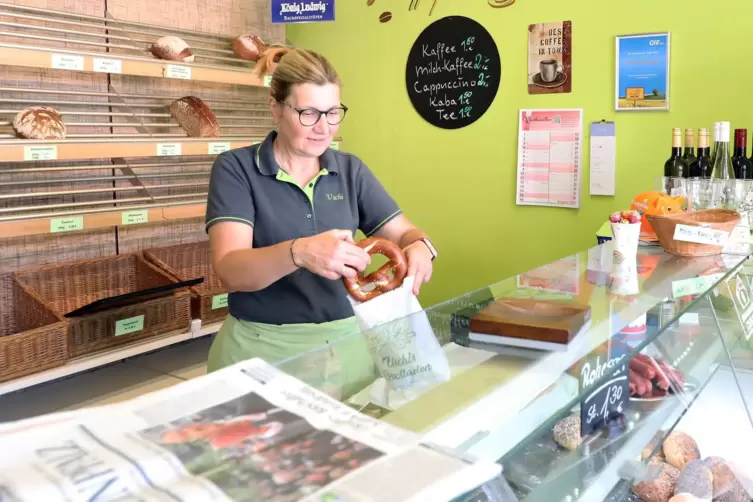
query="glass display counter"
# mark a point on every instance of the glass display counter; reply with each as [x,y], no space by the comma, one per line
[656,358]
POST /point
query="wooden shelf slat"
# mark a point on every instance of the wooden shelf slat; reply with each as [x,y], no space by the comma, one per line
[40,57]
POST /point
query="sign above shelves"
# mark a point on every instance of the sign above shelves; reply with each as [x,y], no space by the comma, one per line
[302,11]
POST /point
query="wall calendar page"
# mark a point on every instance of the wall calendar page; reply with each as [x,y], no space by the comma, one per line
[549,157]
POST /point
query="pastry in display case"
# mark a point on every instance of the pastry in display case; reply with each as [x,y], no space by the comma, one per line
[608,416]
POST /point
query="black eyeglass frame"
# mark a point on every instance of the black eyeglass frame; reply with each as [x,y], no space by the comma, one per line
[320,112]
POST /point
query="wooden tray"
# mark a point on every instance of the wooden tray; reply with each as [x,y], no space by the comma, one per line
[531,319]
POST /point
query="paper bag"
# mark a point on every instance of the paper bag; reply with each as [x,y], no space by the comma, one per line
[405,349]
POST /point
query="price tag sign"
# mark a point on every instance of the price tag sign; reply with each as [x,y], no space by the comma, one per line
[134,217]
[267,80]
[604,399]
[68,62]
[69,224]
[107,65]
[40,153]
[217,148]
[178,71]
[335,145]
[219,301]
[701,235]
[130,325]
[168,149]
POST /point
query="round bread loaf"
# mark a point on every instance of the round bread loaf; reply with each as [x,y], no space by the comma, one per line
[172,49]
[727,488]
[567,432]
[652,445]
[659,489]
[249,47]
[39,122]
[679,449]
[696,479]
[195,117]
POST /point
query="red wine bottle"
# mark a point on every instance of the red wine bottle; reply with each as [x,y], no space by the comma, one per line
[703,165]
[741,164]
[675,167]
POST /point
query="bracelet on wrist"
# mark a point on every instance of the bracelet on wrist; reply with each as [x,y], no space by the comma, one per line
[292,253]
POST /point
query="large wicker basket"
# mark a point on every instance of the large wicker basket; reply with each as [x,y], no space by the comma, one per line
[716,219]
[65,288]
[32,337]
[189,261]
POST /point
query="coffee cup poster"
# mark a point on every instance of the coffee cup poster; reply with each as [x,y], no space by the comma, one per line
[550,58]
[642,79]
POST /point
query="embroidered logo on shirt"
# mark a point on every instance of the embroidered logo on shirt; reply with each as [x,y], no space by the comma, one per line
[337,196]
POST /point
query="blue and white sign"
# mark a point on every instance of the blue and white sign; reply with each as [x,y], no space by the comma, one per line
[302,11]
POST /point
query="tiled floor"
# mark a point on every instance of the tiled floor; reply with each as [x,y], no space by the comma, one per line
[111,384]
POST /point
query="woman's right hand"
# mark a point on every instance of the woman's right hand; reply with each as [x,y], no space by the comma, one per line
[331,254]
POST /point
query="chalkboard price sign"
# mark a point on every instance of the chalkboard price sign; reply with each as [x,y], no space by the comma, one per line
[609,398]
[453,72]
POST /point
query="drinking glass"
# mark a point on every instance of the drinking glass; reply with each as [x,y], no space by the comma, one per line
[700,194]
[671,185]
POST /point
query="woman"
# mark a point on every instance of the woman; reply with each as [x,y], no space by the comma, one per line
[281,216]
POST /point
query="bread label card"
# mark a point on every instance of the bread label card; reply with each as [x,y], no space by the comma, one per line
[219,301]
[68,62]
[134,217]
[217,148]
[603,379]
[40,153]
[168,149]
[701,235]
[178,71]
[130,325]
[107,65]
[267,80]
[69,224]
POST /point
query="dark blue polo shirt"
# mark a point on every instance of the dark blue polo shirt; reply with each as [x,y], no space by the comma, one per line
[248,186]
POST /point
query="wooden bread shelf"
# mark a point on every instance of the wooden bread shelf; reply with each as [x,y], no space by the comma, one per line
[71,221]
[44,38]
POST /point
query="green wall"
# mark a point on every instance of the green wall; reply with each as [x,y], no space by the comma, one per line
[459,185]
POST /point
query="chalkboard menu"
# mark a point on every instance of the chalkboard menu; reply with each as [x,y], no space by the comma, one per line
[603,399]
[453,72]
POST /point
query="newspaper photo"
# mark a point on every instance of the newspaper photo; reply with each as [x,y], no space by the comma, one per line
[246,433]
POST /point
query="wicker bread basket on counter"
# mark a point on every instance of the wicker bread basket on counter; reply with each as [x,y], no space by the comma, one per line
[714,219]
[190,261]
[65,288]
[32,337]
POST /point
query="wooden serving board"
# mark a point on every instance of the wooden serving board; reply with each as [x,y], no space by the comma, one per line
[531,319]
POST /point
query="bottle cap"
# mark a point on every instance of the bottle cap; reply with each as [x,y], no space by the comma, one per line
[676,130]
[741,137]
[724,131]
[716,132]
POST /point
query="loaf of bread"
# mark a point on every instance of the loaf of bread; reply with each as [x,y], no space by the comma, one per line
[695,479]
[727,488]
[249,47]
[679,449]
[172,49]
[195,117]
[567,432]
[659,489]
[39,122]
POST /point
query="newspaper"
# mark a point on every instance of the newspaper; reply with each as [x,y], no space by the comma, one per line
[249,433]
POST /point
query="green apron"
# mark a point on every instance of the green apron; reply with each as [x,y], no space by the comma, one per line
[332,357]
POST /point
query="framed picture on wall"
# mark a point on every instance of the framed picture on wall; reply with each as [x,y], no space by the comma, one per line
[642,72]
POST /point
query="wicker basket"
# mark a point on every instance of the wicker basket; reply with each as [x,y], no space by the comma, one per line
[716,219]
[65,288]
[32,337]
[189,261]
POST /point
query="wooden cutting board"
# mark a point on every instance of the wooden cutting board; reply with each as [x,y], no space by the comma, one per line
[531,319]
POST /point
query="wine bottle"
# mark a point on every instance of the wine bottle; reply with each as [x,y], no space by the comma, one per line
[742,166]
[688,154]
[715,144]
[722,163]
[675,167]
[702,166]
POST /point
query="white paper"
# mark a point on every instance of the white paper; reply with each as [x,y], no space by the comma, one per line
[603,158]
[168,149]
[216,148]
[40,152]
[178,71]
[107,65]
[68,62]
[549,157]
[701,235]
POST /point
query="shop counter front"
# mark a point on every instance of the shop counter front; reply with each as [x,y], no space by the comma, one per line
[578,377]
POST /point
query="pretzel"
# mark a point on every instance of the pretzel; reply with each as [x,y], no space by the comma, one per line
[381,278]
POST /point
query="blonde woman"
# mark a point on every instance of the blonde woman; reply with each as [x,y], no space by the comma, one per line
[281,217]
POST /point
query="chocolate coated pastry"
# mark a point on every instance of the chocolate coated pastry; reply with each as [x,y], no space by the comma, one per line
[39,122]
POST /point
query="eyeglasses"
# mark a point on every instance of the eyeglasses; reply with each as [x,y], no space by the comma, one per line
[309,117]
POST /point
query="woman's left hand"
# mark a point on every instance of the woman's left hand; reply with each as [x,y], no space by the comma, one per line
[419,264]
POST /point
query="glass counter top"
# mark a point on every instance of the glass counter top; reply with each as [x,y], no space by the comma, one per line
[429,373]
